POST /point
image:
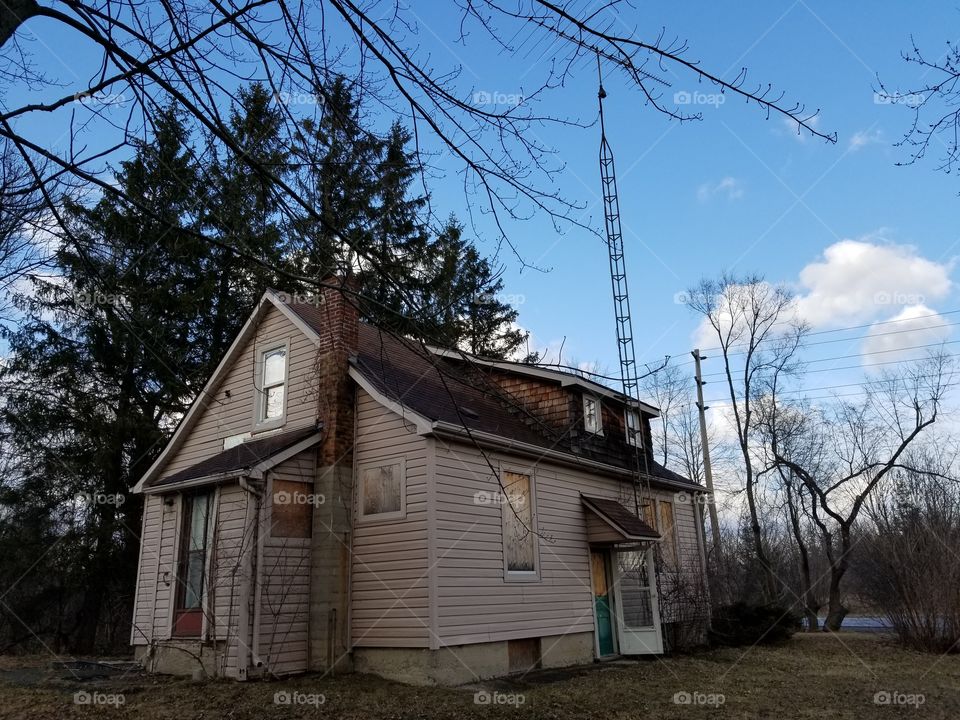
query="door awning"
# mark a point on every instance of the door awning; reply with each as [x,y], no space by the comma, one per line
[610,523]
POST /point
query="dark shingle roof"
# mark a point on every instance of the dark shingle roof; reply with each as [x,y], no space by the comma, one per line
[449,390]
[624,520]
[240,457]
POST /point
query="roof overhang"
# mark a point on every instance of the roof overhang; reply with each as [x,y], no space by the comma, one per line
[610,523]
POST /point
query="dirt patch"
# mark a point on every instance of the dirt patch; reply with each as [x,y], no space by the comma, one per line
[847,676]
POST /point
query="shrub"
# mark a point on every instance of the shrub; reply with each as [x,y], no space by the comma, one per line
[746,624]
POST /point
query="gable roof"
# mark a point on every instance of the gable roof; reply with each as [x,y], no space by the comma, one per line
[270,299]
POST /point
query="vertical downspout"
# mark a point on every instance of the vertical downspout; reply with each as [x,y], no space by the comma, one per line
[251,514]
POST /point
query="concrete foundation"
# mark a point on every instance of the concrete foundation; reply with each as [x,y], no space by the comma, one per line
[180,657]
[462,664]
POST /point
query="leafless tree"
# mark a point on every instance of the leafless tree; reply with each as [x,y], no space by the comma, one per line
[198,55]
[934,103]
[758,335]
[843,451]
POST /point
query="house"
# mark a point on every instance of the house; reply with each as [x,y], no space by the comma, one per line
[340,499]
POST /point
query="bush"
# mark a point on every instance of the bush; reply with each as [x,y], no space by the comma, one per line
[746,624]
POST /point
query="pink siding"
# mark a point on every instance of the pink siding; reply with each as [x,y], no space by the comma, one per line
[389,578]
[475,602]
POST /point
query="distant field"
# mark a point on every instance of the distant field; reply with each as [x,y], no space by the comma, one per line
[852,675]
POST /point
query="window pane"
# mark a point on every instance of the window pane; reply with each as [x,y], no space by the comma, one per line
[590,413]
[633,425]
[274,366]
[519,537]
[635,589]
[273,404]
[382,487]
[193,581]
[198,522]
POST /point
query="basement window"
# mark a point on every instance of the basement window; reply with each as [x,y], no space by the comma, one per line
[591,415]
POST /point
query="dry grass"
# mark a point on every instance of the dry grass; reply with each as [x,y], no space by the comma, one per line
[811,676]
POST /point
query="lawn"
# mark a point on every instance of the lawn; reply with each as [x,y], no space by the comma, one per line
[847,676]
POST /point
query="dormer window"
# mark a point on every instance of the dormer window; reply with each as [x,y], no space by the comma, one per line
[273,377]
[591,415]
[632,424]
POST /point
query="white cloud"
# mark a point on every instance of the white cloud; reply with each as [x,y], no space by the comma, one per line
[858,280]
[862,138]
[901,339]
[729,187]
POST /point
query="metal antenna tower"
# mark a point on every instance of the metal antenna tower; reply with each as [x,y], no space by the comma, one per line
[629,376]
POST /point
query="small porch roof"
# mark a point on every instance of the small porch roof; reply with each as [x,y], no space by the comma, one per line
[610,523]
[248,459]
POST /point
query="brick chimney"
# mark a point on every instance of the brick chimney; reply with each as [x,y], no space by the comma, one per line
[339,320]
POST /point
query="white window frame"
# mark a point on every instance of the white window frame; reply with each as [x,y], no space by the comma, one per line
[260,398]
[586,400]
[505,507]
[400,514]
[632,439]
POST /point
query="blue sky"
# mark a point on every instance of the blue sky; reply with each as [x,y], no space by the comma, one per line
[735,191]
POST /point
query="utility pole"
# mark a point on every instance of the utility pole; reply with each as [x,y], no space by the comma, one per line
[707,469]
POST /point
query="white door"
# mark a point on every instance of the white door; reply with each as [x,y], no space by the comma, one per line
[637,606]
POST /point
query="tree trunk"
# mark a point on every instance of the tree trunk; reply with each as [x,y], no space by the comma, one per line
[836,611]
[13,13]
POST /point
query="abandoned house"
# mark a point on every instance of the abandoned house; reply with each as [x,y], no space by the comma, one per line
[338,498]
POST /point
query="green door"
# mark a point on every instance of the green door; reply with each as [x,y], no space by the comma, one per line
[601,601]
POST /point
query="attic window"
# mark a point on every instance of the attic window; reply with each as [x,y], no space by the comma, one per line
[591,415]
[633,427]
[273,380]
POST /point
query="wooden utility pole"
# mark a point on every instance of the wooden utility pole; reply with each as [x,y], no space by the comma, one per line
[707,470]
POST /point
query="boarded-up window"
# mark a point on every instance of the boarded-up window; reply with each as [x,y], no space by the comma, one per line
[519,539]
[668,542]
[292,509]
[382,489]
[649,513]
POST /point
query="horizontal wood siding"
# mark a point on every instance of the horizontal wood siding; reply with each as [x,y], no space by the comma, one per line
[285,579]
[150,546]
[389,583]
[476,603]
[226,572]
[228,416]
[166,570]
